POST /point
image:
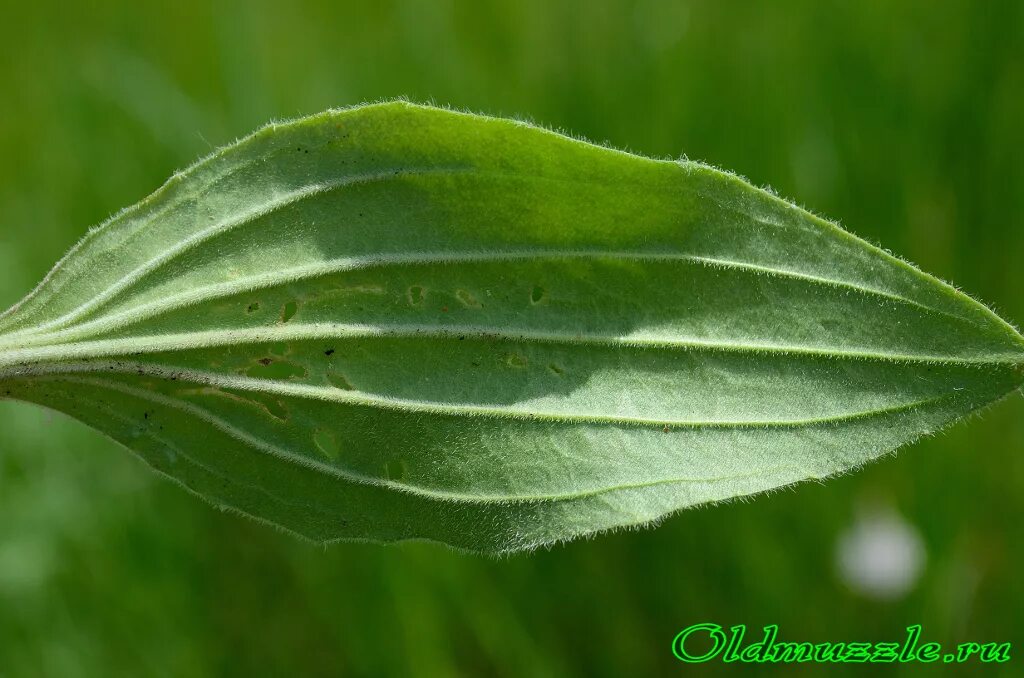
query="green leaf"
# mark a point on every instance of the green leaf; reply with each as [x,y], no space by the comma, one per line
[395,322]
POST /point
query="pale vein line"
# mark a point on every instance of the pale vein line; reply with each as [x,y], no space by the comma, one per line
[311,190]
[360,398]
[219,501]
[352,476]
[270,206]
[319,331]
[315,189]
[134,214]
[407,489]
[830,228]
[349,264]
[131,424]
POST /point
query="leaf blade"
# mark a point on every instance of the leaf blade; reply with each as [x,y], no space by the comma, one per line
[516,336]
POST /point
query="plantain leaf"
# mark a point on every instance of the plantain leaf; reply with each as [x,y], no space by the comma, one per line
[395,322]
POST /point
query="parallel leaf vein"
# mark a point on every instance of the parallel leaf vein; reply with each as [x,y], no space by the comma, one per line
[253,283]
[358,398]
[360,478]
[25,357]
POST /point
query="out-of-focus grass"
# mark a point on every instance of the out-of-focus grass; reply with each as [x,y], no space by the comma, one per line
[902,120]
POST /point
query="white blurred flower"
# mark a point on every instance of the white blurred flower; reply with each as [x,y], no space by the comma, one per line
[881,556]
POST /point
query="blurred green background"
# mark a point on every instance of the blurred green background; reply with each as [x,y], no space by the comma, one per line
[901,120]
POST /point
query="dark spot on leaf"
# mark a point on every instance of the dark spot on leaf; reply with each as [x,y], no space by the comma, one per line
[538,294]
[556,370]
[276,370]
[329,352]
[265,361]
[253,307]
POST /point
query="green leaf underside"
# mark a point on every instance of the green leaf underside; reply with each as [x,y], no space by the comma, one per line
[396,322]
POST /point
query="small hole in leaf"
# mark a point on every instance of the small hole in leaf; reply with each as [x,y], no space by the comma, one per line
[326,443]
[467,299]
[538,295]
[289,310]
[271,369]
[416,294]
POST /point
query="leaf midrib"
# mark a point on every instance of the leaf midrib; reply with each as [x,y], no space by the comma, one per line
[15,358]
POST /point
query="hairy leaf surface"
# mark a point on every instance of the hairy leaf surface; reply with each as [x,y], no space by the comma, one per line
[395,322]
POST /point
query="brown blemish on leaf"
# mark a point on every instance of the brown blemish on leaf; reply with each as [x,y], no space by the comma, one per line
[467,299]
[276,408]
[516,360]
[341,292]
[289,310]
[416,295]
[339,381]
[276,369]
[270,407]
